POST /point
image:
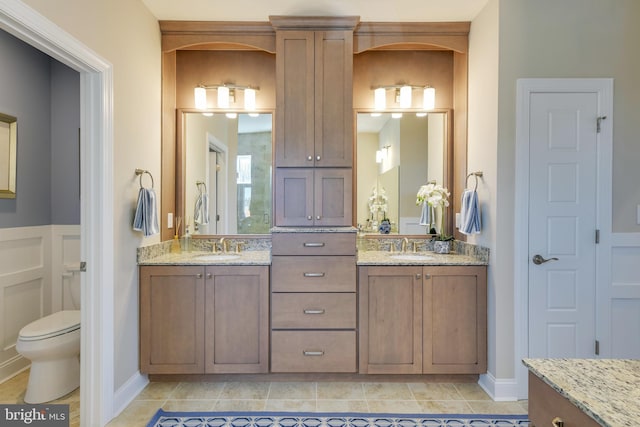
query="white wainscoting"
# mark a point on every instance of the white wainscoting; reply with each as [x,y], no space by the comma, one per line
[32,261]
[624,297]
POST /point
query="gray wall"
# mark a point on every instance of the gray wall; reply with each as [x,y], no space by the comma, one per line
[44,96]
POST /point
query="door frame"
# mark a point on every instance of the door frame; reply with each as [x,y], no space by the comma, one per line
[525,88]
[96,180]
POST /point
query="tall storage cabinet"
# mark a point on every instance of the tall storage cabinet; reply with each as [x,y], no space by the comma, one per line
[314,124]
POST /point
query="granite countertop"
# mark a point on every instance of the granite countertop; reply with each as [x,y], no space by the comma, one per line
[419,258]
[208,258]
[607,390]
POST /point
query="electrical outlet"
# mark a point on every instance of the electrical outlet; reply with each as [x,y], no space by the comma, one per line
[457,219]
[638,215]
[170,220]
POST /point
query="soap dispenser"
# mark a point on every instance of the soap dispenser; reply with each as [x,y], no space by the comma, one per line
[186,240]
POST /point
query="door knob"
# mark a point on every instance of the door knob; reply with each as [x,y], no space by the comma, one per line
[538,259]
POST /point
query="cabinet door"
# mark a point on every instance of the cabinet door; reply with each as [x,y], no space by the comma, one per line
[334,99]
[171,320]
[236,319]
[295,83]
[455,320]
[313,197]
[294,197]
[333,188]
[390,320]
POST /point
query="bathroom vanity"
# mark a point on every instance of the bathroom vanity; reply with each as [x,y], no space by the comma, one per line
[313,303]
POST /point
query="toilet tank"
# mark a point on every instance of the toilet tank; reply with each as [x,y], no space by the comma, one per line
[71,286]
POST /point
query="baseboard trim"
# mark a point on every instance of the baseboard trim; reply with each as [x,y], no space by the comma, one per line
[500,390]
[128,392]
[13,367]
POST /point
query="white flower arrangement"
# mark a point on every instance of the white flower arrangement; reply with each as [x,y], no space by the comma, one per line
[435,196]
[378,201]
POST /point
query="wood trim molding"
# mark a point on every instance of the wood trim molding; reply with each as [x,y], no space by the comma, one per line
[409,35]
[347,23]
[218,35]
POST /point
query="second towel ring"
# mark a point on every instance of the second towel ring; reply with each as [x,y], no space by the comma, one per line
[140,172]
[476,174]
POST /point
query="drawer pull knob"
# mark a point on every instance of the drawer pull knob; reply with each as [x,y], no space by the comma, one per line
[199,276]
[313,311]
[313,244]
[309,158]
[557,422]
[312,353]
[313,274]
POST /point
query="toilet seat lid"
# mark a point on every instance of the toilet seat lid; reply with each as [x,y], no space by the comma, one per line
[52,325]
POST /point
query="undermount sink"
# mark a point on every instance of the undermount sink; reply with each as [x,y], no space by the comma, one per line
[413,257]
[215,257]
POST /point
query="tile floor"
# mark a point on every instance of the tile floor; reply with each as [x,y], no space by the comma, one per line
[288,396]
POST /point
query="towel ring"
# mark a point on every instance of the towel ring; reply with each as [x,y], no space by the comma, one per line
[140,172]
[476,175]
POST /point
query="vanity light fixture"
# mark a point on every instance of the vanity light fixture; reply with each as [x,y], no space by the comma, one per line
[403,95]
[226,96]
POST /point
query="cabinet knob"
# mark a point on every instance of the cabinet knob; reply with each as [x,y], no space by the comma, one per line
[312,353]
[199,276]
[310,218]
[313,274]
[427,276]
[317,158]
[309,158]
[209,275]
[318,217]
[418,276]
[313,311]
[557,422]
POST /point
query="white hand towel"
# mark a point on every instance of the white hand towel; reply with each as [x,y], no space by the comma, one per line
[470,213]
[201,209]
[146,217]
[425,217]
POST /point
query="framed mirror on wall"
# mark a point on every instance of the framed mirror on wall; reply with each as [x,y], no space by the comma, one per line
[396,154]
[224,173]
[8,155]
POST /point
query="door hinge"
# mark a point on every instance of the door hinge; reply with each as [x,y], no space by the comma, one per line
[598,123]
[597,347]
[597,236]
[83,266]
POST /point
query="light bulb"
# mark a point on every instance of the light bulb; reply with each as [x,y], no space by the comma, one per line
[405,97]
[380,99]
[200,95]
[429,100]
[223,97]
[249,99]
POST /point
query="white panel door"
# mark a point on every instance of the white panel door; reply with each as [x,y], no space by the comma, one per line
[562,224]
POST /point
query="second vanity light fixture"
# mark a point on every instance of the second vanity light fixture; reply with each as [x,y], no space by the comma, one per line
[226,97]
[403,97]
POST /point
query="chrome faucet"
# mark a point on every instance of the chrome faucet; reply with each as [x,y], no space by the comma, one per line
[405,243]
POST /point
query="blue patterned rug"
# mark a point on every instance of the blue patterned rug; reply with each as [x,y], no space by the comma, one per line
[316,419]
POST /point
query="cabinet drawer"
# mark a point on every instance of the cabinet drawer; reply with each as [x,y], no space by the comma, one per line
[313,274]
[313,311]
[313,351]
[313,244]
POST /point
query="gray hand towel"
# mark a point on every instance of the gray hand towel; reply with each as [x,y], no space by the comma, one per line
[146,217]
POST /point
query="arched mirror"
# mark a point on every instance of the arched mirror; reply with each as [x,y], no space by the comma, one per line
[396,154]
[224,174]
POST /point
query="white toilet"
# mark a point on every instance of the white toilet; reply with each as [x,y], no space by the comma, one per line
[52,343]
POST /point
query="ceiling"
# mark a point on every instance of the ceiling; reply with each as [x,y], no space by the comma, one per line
[368,10]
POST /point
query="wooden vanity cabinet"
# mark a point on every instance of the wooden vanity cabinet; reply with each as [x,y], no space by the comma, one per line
[196,319]
[313,302]
[314,94]
[416,319]
[314,124]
